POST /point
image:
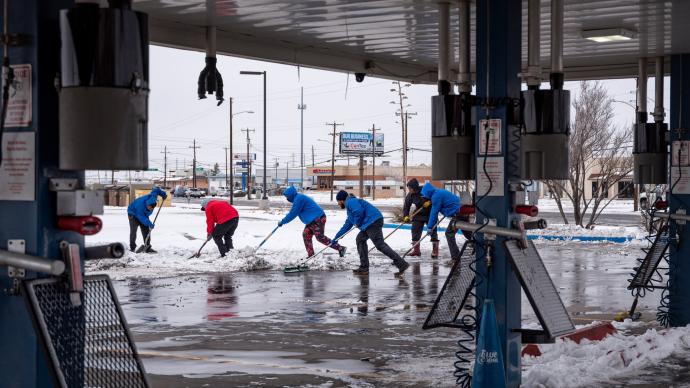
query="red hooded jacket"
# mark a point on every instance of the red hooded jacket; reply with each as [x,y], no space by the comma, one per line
[219,212]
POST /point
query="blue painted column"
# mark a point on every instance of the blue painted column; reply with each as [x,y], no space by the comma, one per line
[679,266]
[23,363]
[498,64]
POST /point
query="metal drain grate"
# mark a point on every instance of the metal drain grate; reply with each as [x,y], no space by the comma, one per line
[454,293]
[88,345]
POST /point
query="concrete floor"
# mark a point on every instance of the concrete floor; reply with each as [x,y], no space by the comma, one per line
[331,329]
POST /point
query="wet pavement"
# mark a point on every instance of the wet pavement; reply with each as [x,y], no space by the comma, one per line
[331,328]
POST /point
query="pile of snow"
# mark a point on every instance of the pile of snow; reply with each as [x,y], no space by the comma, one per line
[567,364]
[617,206]
[181,230]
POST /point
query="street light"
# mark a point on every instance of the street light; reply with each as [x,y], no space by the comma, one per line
[265,149]
[232,173]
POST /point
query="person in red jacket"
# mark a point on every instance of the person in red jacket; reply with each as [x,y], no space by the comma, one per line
[221,222]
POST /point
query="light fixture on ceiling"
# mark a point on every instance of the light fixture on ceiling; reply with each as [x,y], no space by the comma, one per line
[605,35]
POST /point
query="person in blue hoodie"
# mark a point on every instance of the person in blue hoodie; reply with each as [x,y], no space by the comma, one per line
[448,204]
[369,220]
[138,213]
[314,219]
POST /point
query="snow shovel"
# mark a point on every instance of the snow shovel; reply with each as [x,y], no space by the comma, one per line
[398,227]
[147,242]
[301,265]
[198,253]
[266,239]
[423,237]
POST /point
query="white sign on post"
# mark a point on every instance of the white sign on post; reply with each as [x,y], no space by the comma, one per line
[18,170]
[19,103]
[495,171]
[493,127]
[680,158]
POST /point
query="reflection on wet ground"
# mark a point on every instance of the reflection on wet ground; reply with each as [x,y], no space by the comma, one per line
[268,328]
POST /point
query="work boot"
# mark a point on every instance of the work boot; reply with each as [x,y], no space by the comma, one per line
[402,266]
[151,250]
[434,249]
[133,249]
[416,251]
[361,271]
[342,251]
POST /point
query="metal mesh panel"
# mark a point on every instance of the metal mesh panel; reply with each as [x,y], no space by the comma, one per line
[88,345]
[453,295]
[651,261]
[539,288]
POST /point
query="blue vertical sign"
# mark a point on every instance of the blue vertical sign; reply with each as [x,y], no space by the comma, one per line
[488,364]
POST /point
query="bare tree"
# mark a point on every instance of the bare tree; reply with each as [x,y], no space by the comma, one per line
[596,146]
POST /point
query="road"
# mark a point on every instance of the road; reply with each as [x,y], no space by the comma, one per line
[550,217]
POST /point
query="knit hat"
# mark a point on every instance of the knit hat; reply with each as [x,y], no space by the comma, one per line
[341,196]
[413,184]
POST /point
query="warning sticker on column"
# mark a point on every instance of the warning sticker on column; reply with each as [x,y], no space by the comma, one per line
[492,179]
[19,104]
[680,180]
[491,129]
[18,169]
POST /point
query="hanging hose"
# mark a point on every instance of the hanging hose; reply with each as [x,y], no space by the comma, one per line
[9,77]
[470,321]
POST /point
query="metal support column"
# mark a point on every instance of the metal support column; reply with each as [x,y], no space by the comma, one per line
[498,65]
[679,267]
[33,221]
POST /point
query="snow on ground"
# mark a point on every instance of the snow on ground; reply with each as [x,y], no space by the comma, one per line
[575,231]
[566,364]
[617,206]
[181,230]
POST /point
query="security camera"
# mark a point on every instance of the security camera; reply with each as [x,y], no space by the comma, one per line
[359,77]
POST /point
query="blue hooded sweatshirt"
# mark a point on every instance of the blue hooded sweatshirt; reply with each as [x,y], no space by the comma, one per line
[442,201]
[138,207]
[302,206]
[360,213]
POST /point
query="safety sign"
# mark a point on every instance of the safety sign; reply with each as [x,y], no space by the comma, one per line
[18,172]
[492,127]
[19,103]
[490,183]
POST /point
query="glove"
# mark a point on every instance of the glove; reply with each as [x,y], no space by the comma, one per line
[151,226]
[406,219]
[427,204]
[280,223]
[209,236]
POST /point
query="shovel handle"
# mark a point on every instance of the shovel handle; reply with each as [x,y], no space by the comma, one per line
[398,227]
[425,236]
[302,262]
[267,237]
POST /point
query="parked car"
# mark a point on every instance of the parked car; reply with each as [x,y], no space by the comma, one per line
[180,191]
[195,193]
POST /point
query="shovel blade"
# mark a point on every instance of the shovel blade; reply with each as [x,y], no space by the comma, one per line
[297,269]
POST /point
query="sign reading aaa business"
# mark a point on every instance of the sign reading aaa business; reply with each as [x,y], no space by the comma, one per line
[358,143]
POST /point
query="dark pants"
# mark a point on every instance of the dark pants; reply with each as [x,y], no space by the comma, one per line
[375,233]
[418,228]
[225,231]
[133,225]
[451,232]
[316,229]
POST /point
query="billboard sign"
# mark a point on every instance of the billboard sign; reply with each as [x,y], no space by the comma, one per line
[357,143]
[242,156]
[322,171]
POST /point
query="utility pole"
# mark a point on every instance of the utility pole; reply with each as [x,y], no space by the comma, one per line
[165,166]
[334,124]
[275,165]
[301,108]
[249,163]
[361,175]
[226,166]
[232,174]
[287,173]
[112,177]
[313,162]
[373,162]
[194,147]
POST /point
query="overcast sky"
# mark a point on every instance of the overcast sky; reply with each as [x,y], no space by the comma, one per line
[177,116]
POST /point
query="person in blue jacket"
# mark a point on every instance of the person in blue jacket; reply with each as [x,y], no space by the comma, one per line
[313,217]
[369,220]
[138,213]
[448,204]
